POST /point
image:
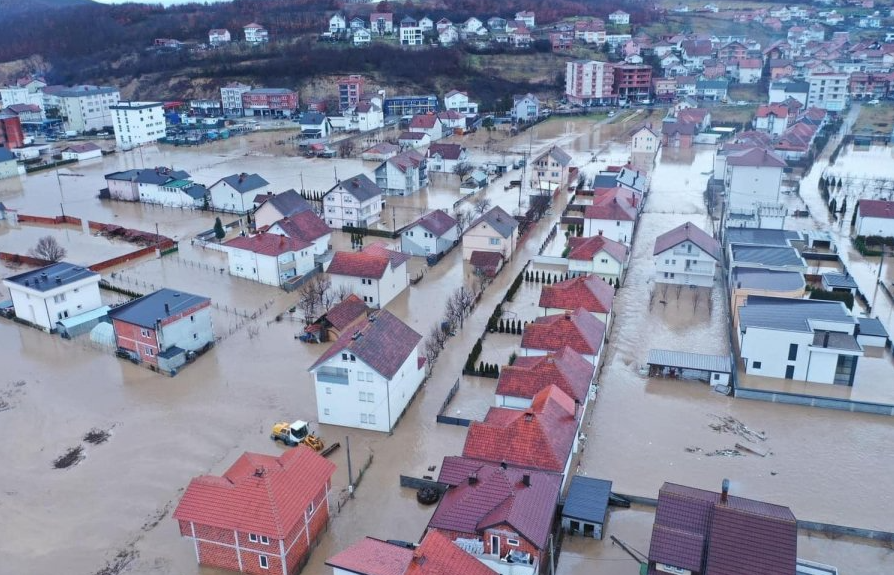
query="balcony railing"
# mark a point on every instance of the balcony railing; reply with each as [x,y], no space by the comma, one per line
[338,375]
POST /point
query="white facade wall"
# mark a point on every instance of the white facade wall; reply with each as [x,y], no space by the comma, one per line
[165,196]
[81,156]
[376,293]
[460,103]
[190,332]
[231,99]
[342,209]
[319,246]
[10,169]
[46,308]
[875,226]
[771,124]
[511,402]
[748,186]
[270,270]
[90,111]
[770,349]
[411,36]
[226,198]
[483,238]
[602,265]
[138,123]
[685,264]
[366,393]
[644,142]
[421,242]
[828,91]
[618,230]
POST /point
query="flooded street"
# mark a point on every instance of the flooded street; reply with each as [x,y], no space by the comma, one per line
[167,430]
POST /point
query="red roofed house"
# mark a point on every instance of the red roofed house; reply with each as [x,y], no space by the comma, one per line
[613,215]
[427,124]
[368,376]
[773,118]
[445,157]
[432,234]
[686,255]
[542,437]
[501,515]
[269,258]
[598,255]
[875,218]
[706,533]
[403,174]
[263,515]
[577,329]
[591,293]
[487,264]
[528,376]
[340,318]
[306,226]
[376,274]
[434,555]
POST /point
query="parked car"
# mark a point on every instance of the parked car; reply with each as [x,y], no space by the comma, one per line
[874,102]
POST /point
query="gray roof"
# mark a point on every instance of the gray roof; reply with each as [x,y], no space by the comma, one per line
[51,276]
[311,119]
[196,191]
[767,255]
[686,360]
[147,310]
[632,179]
[359,186]
[559,155]
[764,279]
[839,280]
[791,87]
[872,326]
[270,91]
[711,84]
[499,220]
[243,183]
[761,236]
[587,499]
[605,181]
[157,176]
[135,105]
[790,314]
[289,203]
[836,340]
[78,91]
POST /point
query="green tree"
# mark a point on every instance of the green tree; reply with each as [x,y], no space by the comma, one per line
[219,231]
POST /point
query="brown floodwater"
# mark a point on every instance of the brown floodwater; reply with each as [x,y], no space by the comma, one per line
[168,430]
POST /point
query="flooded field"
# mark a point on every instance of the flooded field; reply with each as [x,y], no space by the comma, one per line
[165,431]
[83,248]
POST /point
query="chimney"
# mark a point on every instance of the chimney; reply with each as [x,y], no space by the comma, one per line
[526,480]
[576,407]
[167,309]
[724,491]
[58,280]
[529,416]
[503,464]
[473,478]
[826,340]
[259,472]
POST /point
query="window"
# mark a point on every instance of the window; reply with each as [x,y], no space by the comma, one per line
[362,396]
[351,357]
[265,540]
[512,542]
[370,397]
[372,418]
[755,365]
[192,318]
[792,351]
[59,298]
[716,376]
[618,223]
[364,418]
[262,561]
[494,241]
[252,537]
[310,509]
[328,391]
[344,357]
[325,411]
[667,262]
[150,352]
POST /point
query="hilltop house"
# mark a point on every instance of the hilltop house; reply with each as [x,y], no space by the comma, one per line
[356,201]
[445,157]
[269,258]
[598,255]
[218,36]
[46,295]
[369,374]
[495,231]
[376,274]
[274,207]
[525,108]
[307,227]
[686,255]
[263,515]
[161,328]
[459,102]
[255,33]
[236,193]
[568,370]
[577,329]
[432,234]
[402,174]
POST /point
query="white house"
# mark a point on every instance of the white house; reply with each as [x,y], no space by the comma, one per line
[368,116]
[218,36]
[236,193]
[472,25]
[274,207]
[361,37]
[599,256]
[403,174]
[413,140]
[160,186]
[613,215]
[9,166]
[495,231]
[619,17]
[525,108]
[52,293]
[644,141]
[410,32]
[376,274]
[81,152]
[448,35]
[875,218]
[426,24]
[354,202]
[459,102]
[427,124]
[269,258]
[445,157]
[798,339]
[255,33]
[305,226]
[451,121]
[432,234]
[137,123]
[527,17]
[551,170]
[753,177]
[314,125]
[686,255]
[337,23]
[359,386]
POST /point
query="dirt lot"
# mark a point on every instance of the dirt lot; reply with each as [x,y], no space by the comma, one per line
[877,119]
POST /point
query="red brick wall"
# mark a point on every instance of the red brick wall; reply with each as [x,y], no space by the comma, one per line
[297,555]
[148,250]
[128,336]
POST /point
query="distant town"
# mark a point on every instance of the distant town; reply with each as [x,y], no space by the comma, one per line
[617,299]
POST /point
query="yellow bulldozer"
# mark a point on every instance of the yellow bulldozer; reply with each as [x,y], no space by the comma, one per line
[296,433]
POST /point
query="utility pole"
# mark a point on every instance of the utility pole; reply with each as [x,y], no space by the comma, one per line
[393,220]
[350,472]
[157,243]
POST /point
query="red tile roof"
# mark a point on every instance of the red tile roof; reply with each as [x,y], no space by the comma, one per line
[687,232]
[306,226]
[876,209]
[407,160]
[381,341]
[693,115]
[496,497]
[778,110]
[380,249]
[258,494]
[267,244]
[587,248]
[613,204]
[438,555]
[369,263]
[578,329]
[695,528]
[489,262]
[371,556]
[446,151]
[346,312]
[539,437]
[589,292]
[566,369]
[423,121]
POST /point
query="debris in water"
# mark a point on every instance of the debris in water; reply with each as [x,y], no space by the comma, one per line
[692,449]
[72,457]
[97,436]
[120,562]
[726,453]
[729,424]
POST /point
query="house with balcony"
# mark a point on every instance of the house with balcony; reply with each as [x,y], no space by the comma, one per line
[599,256]
[494,231]
[402,174]
[525,108]
[376,273]
[459,102]
[368,376]
[431,235]
[613,214]
[305,226]
[578,329]
[520,382]
[255,33]
[270,259]
[381,23]
[501,515]
[445,157]
[686,255]
[44,296]
[355,201]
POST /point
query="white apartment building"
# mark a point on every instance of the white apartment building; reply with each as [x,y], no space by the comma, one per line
[589,82]
[87,107]
[686,255]
[231,98]
[410,33]
[137,123]
[12,95]
[828,91]
[753,177]
[47,295]
[356,201]
[459,102]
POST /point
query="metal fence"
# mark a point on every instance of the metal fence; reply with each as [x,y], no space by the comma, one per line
[441,418]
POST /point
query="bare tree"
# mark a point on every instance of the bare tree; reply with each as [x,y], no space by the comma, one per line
[481,205]
[340,294]
[307,301]
[463,169]
[346,148]
[48,249]
[322,286]
[463,219]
